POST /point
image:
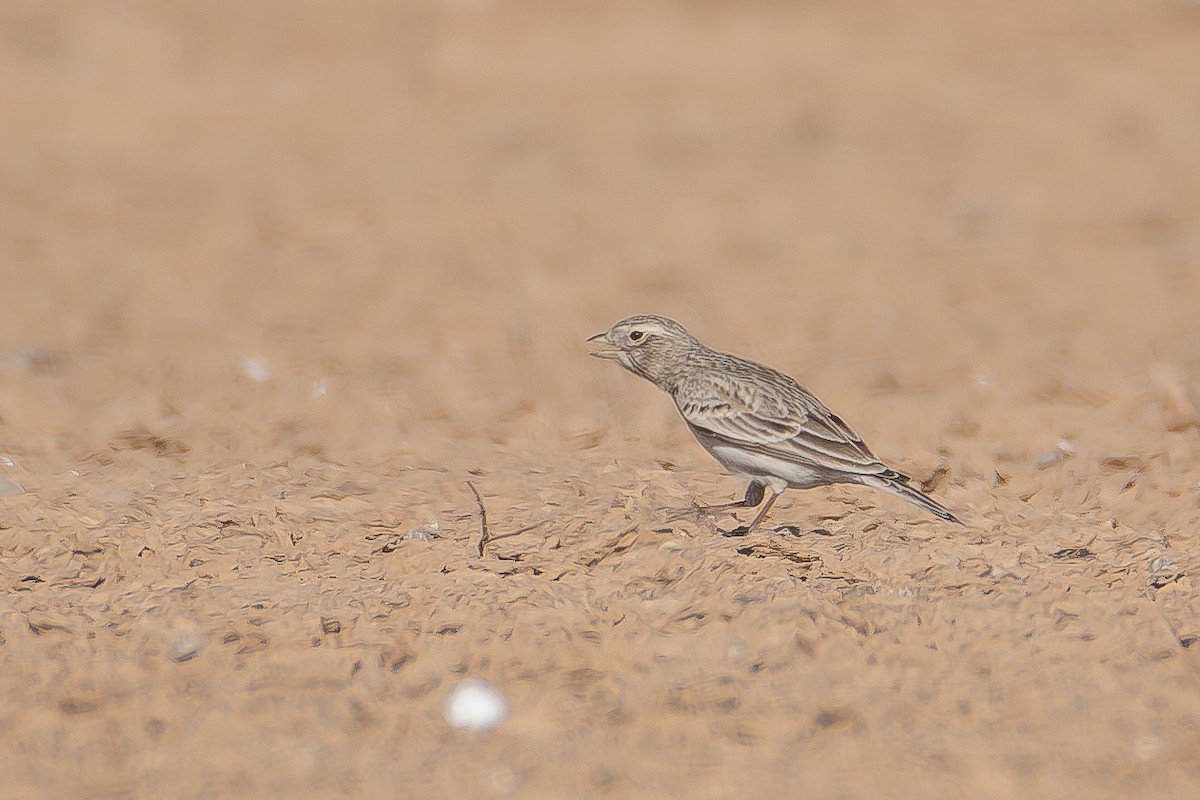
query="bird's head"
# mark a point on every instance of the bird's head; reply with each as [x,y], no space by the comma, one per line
[648,345]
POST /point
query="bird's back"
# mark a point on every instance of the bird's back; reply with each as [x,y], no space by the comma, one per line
[771,395]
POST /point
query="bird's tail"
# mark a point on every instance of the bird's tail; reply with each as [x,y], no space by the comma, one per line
[897,484]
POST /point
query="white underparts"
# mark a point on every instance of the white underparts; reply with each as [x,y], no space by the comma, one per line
[774,472]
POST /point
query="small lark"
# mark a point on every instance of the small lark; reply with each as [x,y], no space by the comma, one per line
[759,423]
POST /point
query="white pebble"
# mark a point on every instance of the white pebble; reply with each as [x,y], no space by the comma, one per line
[474,705]
[254,369]
[1046,459]
[424,533]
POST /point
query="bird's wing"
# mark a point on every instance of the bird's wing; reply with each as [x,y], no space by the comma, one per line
[777,418]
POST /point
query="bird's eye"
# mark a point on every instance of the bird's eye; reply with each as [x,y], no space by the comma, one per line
[635,335]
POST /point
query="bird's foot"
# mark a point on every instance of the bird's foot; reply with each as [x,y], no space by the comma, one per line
[701,511]
[754,495]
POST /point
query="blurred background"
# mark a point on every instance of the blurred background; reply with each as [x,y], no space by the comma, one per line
[251,248]
[437,198]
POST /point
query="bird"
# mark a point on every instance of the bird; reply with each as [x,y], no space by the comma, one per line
[757,422]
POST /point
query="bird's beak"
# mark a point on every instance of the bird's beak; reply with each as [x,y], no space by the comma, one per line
[605,350]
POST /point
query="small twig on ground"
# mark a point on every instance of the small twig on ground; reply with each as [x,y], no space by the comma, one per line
[519,531]
[484,536]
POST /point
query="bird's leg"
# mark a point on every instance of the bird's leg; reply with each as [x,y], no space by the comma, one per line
[754,495]
[742,530]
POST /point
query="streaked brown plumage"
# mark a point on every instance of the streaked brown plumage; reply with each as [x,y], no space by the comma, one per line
[757,422]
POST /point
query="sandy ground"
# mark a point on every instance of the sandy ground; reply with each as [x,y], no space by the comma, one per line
[278,280]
